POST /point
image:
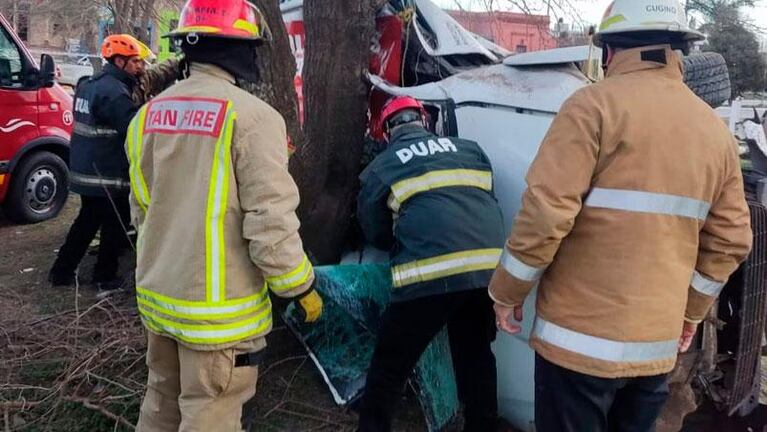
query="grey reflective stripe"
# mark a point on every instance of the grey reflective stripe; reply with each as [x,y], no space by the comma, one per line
[87,180]
[93,131]
[706,286]
[520,270]
[648,202]
[604,349]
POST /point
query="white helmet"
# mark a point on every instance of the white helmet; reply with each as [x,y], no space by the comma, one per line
[636,16]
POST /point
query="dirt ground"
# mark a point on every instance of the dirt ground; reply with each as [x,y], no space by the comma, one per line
[291,395]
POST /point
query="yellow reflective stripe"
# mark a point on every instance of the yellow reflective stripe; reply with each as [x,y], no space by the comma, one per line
[206,326]
[208,333]
[197,29]
[258,306]
[215,253]
[135,146]
[444,266]
[192,303]
[607,22]
[246,26]
[203,311]
[292,279]
[405,189]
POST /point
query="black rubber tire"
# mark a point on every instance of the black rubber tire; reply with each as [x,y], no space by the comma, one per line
[707,76]
[17,207]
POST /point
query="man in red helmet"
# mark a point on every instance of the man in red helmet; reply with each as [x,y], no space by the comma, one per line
[214,207]
[429,201]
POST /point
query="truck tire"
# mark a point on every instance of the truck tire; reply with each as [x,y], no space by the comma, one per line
[39,188]
[707,76]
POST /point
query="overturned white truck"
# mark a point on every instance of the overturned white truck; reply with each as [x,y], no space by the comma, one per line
[507,106]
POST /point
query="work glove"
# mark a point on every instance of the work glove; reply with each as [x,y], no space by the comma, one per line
[310,306]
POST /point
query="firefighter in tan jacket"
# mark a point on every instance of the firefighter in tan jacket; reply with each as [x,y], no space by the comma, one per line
[633,220]
[214,206]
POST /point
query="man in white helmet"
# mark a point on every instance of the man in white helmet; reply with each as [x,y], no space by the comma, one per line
[630,237]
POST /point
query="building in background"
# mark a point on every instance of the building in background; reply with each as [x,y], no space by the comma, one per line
[54,25]
[517,32]
[567,34]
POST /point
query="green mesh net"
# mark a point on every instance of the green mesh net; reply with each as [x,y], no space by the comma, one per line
[341,343]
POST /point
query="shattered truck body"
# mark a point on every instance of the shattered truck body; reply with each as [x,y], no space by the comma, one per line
[471,89]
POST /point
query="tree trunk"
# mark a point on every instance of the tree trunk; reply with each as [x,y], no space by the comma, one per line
[277,67]
[147,14]
[326,165]
[118,15]
[15,16]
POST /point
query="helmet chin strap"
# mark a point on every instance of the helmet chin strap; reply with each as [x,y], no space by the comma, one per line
[124,60]
[607,56]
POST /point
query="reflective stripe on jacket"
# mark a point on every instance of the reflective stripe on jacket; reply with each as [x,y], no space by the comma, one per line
[429,201]
[633,220]
[215,211]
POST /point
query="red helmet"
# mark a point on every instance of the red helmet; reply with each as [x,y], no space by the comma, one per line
[397,104]
[235,19]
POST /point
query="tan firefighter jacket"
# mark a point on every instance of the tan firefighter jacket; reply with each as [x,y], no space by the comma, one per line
[215,210]
[633,220]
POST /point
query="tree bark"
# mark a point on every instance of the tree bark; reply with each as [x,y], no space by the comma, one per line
[326,165]
[328,149]
[15,16]
[147,15]
[277,67]
[118,16]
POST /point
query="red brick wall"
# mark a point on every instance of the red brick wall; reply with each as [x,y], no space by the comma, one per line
[513,31]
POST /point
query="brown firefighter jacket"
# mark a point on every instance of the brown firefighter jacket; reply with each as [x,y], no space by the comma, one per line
[215,210]
[633,220]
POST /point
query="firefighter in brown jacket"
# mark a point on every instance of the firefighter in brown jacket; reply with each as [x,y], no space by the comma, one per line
[214,206]
[632,222]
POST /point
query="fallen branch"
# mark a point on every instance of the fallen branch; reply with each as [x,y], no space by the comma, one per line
[45,319]
[90,349]
[19,405]
[310,417]
[288,385]
[279,362]
[90,405]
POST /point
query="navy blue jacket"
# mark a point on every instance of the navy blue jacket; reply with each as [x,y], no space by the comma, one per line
[103,110]
[429,201]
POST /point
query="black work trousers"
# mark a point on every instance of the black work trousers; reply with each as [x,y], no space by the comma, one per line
[96,213]
[568,401]
[406,330]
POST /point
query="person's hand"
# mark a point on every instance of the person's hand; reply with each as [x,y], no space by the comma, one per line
[504,315]
[688,332]
[310,306]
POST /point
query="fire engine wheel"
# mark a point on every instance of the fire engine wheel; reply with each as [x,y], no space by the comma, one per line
[707,76]
[38,189]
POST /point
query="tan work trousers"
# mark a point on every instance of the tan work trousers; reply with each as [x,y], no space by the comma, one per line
[193,391]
